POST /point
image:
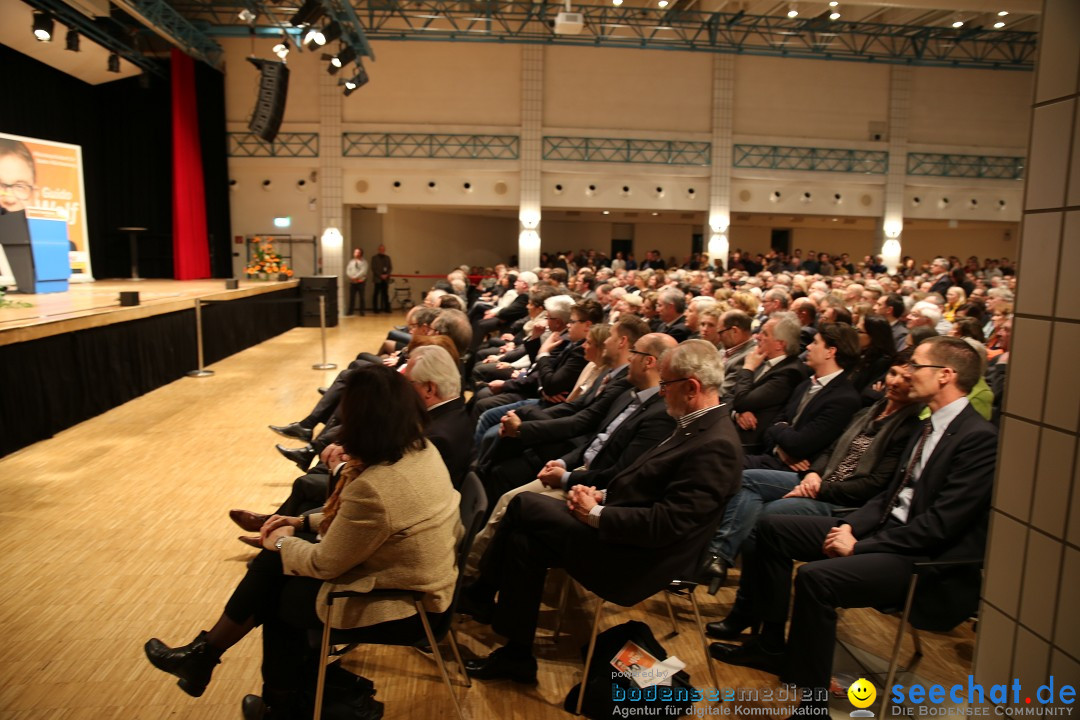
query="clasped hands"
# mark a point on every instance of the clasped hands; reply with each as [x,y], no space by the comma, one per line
[582,500]
[839,542]
[278,526]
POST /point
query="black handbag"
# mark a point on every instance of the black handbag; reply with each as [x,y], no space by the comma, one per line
[611,693]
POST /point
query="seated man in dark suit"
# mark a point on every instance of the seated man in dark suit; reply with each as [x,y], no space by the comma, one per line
[819,409]
[628,542]
[670,307]
[768,376]
[636,422]
[936,508]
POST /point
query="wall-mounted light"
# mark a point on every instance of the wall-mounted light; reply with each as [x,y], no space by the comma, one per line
[558,190]
[266,185]
[806,197]
[893,228]
[529,217]
[775,196]
[332,239]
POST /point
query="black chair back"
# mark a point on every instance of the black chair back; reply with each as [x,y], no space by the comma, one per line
[473,508]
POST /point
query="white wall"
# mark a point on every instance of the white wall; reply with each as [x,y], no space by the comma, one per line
[978,108]
[430,242]
[615,89]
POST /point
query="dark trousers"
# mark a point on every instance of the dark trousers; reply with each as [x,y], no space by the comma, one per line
[285,606]
[485,400]
[535,534]
[821,585]
[380,302]
[309,491]
[356,292]
[328,403]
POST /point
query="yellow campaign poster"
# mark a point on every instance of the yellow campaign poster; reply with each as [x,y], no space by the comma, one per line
[44,174]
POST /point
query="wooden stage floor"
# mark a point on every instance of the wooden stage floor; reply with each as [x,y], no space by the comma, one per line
[94,304]
[115,531]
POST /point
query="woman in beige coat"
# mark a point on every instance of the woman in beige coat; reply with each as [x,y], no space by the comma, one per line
[391,523]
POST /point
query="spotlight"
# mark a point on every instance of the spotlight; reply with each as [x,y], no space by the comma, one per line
[958,24]
[347,55]
[1003,13]
[314,39]
[114,63]
[72,40]
[662,4]
[792,12]
[616,3]
[308,13]
[916,201]
[332,31]
[998,25]
[358,80]
[266,185]
[775,197]
[1001,204]
[246,16]
[43,26]
[559,189]
[833,3]
[837,198]
[834,15]
[806,197]
[281,50]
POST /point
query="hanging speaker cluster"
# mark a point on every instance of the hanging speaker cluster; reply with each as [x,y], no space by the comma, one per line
[270,103]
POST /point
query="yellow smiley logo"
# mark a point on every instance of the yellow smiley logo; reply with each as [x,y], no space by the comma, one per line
[862,693]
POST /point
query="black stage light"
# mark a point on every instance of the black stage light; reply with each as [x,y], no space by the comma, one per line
[358,81]
[43,26]
[347,55]
[332,31]
[73,40]
[309,12]
[114,63]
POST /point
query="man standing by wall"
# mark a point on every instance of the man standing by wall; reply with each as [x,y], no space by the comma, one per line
[381,267]
[357,271]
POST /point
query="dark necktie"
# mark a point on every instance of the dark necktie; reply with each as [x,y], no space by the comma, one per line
[916,455]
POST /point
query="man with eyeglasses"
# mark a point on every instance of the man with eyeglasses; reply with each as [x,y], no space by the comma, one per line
[624,543]
[936,508]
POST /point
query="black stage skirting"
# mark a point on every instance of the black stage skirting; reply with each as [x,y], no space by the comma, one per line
[59,381]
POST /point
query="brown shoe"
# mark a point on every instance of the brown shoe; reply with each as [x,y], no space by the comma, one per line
[252,541]
[247,520]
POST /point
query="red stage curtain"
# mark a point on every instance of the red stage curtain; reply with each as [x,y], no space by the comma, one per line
[191,251]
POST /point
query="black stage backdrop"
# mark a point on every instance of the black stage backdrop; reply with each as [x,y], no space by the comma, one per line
[124,128]
[65,379]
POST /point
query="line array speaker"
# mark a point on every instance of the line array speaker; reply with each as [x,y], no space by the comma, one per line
[270,104]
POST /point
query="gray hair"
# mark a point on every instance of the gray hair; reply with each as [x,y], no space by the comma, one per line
[787,328]
[702,302]
[434,365]
[559,306]
[673,296]
[697,359]
[455,325]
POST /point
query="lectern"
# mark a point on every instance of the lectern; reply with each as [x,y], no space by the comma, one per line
[37,250]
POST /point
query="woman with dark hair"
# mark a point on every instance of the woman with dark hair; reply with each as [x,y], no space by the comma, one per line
[877,348]
[391,523]
[968,327]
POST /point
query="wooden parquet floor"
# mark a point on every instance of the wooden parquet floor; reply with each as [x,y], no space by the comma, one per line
[116,530]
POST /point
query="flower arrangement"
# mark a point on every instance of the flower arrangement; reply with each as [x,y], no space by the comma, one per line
[265,261]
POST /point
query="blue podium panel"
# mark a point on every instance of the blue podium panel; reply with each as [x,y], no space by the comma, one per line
[49,245]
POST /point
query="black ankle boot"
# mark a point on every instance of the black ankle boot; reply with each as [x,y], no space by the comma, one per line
[193,663]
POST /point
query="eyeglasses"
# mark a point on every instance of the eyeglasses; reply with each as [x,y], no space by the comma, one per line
[665,383]
[639,352]
[20,190]
[919,366]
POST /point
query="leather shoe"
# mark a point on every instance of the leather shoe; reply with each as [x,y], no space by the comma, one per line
[502,665]
[749,654]
[253,708]
[293,430]
[247,520]
[730,627]
[253,541]
[193,663]
[322,390]
[301,456]
[716,571]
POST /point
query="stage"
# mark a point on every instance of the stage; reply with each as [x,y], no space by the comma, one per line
[74,355]
[96,304]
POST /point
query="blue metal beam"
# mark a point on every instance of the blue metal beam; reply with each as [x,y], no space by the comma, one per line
[164,20]
[737,33]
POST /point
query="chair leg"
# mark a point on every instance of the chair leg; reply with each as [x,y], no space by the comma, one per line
[671,614]
[704,642]
[563,595]
[320,686]
[457,657]
[896,645]
[438,657]
[589,653]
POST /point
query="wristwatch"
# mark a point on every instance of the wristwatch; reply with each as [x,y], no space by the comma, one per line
[278,542]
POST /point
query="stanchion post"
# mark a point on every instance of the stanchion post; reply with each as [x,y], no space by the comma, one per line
[201,371]
[322,331]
